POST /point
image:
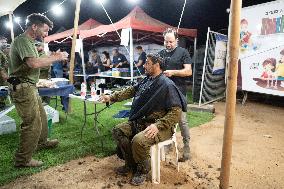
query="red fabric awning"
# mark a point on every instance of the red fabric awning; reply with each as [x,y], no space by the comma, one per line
[89,24]
[137,19]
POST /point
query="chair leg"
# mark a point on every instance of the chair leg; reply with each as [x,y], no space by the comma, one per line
[163,155]
[176,153]
[155,164]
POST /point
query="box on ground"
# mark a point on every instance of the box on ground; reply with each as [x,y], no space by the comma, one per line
[51,113]
[7,125]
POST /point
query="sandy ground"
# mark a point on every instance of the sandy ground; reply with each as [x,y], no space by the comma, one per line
[257,160]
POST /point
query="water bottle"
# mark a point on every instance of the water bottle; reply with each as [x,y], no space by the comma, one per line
[93,90]
[83,89]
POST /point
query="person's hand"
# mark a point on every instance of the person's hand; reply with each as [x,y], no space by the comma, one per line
[104,98]
[111,66]
[61,55]
[169,73]
[120,64]
[151,131]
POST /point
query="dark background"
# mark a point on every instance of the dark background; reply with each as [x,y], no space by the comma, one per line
[198,14]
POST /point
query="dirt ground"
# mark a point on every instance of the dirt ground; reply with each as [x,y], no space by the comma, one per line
[257,159]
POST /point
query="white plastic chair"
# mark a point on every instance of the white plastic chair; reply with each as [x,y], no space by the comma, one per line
[157,152]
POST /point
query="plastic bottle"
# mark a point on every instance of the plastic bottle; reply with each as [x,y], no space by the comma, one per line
[93,90]
[83,89]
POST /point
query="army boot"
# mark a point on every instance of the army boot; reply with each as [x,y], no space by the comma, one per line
[140,175]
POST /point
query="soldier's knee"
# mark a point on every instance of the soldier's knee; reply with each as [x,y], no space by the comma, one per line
[116,133]
[138,139]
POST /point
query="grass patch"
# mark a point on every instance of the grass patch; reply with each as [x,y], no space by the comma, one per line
[71,146]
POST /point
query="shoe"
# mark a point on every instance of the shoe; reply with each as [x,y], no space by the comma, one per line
[49,144]
[138,178]
[32,163]
[123,170]
[140,175]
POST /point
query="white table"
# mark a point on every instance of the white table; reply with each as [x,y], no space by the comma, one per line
[95,113]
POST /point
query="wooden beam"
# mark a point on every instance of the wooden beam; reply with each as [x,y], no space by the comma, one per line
[233,56]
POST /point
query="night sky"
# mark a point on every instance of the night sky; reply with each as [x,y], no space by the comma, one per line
[198,14]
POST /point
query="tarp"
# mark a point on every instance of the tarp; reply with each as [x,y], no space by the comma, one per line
[137,19]
[89,24]
[7,7]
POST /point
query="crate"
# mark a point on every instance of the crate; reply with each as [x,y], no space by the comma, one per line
[51,113]
[7,125]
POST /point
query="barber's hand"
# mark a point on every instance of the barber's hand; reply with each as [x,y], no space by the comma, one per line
[104,98]
[111,66]
[151,131]
[169,73]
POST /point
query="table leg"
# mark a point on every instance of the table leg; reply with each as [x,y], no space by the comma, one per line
[85,119]
[96,122]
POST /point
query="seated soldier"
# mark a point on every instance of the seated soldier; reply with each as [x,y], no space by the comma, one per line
[155,110]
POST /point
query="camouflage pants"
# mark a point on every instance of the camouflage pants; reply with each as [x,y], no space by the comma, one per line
[184,129]
[33,130]
[136,149]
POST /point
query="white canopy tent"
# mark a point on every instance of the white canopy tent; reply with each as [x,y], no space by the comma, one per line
[8,8]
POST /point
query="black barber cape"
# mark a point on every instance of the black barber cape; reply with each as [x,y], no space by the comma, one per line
[155,94]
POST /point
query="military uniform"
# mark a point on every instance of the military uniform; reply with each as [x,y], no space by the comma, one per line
[3,68]
[45,71]
[24,94]
[165,121]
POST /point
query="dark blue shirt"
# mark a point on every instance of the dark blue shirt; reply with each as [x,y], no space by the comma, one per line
[142,57]
[117,59]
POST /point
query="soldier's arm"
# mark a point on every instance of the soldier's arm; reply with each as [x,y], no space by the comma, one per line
[45,61]
[170,119]
[124,94]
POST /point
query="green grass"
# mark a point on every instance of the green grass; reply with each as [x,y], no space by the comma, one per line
[71,146]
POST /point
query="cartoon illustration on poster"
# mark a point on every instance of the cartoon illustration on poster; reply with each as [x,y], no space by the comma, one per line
[262,48]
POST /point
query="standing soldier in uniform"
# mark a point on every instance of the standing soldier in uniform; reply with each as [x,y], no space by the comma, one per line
[44,72]
[178,69]
[4,59]
[24,71]
[156,108]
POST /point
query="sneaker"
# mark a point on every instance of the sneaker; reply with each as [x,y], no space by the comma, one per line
[49,144]
[123,170]
[32,163]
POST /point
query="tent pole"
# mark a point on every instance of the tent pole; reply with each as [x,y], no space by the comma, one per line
[83,59]
[194,61]
[12,26]
[72,58]
[204,65]
[131,53]
[233,55]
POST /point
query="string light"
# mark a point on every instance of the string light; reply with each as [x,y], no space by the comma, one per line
[57,10]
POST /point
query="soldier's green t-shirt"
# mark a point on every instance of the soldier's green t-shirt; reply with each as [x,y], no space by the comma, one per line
[22,48]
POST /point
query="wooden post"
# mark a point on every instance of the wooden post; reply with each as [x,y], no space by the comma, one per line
[72,56]
[233,56]
[12,26]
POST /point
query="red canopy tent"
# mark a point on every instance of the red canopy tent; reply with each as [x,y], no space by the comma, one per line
[88,25]
[137,19]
